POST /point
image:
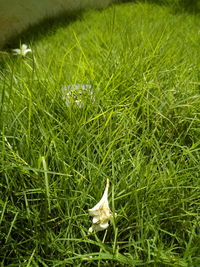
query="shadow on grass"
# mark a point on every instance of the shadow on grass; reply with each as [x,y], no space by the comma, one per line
[36,32]
[46,27]
[43,28]
[177,6]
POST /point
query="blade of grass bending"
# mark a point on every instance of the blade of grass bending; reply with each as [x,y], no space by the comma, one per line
[46,183]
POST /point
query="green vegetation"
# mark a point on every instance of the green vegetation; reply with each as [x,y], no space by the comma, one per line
[141,130]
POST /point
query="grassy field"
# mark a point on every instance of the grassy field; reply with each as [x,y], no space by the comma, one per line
[138,125]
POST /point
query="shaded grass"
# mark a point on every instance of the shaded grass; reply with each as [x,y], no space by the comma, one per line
[142,132]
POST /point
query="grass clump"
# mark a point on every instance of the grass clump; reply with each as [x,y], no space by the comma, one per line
[141,130]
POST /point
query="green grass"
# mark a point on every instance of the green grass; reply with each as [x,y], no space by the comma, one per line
[141,131]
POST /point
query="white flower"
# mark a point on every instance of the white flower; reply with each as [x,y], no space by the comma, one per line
[23,50]
[101,213]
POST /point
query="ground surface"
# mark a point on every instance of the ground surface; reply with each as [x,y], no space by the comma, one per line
[139,127]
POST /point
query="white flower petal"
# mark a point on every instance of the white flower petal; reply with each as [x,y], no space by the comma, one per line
[24,47]
[96,219]
[90,230]
[104,199]
[94,212]
[27,51]
[100,227]
[104,225]
[16,51]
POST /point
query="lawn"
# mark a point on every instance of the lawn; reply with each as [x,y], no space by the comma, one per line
[109,94]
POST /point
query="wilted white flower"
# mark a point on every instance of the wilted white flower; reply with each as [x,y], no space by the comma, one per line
[23,50]
[101,213]
[77,94]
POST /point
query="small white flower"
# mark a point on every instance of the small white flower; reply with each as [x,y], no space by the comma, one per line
[23,50]
[101,213]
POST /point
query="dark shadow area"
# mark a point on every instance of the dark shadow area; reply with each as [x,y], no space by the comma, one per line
[177,6]
[36,32]
[45,27]
[192,6]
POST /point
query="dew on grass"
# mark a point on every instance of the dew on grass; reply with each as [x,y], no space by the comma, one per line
[77,94]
